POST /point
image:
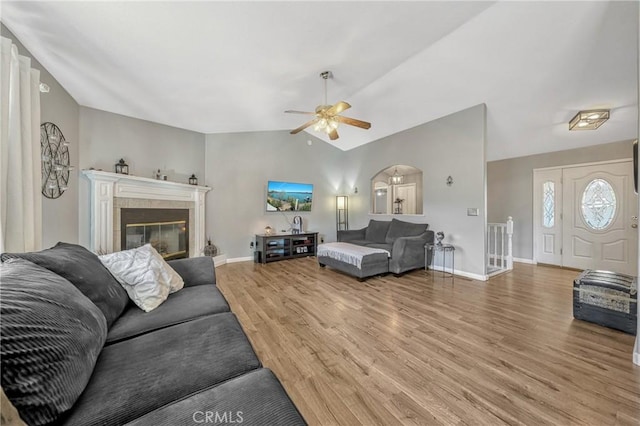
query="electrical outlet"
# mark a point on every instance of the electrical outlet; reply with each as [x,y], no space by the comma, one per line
[321,240]
[473,212]
[251,244]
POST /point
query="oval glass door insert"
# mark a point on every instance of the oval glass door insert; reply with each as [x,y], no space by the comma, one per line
[598,204]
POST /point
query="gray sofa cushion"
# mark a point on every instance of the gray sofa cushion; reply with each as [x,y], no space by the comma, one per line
[359,242]
[142,374]
[195,270]
[398,228]
[377,231]
[84,270]
[387,247]
[184,305]
[50,338]
[253,399]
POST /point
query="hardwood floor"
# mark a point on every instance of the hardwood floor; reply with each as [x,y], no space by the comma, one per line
[422,349]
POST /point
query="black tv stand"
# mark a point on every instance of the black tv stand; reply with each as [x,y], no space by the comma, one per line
[274,247]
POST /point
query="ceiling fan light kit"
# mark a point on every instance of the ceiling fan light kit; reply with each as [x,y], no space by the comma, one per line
[327,117]
[589,120]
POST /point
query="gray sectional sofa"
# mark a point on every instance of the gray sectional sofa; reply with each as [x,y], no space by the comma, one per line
[75,351]
[404,240]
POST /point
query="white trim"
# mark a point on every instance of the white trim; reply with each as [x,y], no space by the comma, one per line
[593,163]
[219,260]
[498,272]
[473,276]
[380,215]
[105,186]
[240,259]
[636,358]
[522,260]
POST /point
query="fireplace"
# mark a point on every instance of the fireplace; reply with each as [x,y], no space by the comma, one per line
[167,230]
[111,193]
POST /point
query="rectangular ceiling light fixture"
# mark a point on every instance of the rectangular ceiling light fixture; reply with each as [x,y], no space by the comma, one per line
[589,120]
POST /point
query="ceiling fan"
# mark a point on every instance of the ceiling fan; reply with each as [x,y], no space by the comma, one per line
[327,117]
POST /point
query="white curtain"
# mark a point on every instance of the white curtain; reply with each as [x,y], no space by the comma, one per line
[20,175]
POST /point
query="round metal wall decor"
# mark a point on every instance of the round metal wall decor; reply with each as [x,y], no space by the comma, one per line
[55,161]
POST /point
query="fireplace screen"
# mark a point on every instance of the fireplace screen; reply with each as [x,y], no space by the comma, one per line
[152,226]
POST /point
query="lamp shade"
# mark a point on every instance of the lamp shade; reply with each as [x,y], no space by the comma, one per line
[342,212]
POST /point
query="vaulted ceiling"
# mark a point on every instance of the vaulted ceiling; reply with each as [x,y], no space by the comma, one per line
[218,67]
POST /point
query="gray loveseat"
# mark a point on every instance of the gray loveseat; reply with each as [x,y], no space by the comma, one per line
[75,351]
[404,240]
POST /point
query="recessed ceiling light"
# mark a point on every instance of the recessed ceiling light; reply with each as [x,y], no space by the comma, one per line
[589,120]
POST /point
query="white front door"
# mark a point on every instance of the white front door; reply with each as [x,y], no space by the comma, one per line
[600,211]
[586,217]
[547,218]
[406,192]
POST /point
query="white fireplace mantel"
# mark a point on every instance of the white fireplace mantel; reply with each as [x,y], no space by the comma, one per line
[105,186]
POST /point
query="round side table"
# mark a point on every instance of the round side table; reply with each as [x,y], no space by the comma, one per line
[444,248]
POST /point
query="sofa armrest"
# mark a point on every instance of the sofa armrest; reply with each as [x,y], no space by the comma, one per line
[355,234]
[404,244]
[195,270]
[408,252]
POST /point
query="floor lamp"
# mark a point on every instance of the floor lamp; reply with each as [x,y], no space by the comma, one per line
[342,212]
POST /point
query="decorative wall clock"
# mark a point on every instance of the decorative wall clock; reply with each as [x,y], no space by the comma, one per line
[55,161]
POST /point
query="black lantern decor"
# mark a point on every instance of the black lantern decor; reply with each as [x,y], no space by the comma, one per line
[122,167]
[193,180]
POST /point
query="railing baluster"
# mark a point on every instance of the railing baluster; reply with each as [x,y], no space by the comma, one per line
[502,256]
[495,246]
[500,253]
[509,243]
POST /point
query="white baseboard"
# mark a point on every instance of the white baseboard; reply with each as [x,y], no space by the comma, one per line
[219,260]
[469,275]
[240,259]
[636,358]
[521,260]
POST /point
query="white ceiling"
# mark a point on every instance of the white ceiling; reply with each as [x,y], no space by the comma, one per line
[217,67]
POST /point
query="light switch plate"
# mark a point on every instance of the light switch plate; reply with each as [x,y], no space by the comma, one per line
[473,212]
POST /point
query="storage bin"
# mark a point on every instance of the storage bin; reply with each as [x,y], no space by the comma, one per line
[606,298]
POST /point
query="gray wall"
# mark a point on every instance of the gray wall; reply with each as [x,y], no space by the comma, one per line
[59,216]
[238,168]
[453,145]
[145,146]
[510,186]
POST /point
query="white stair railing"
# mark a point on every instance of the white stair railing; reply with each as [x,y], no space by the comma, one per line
[500,247]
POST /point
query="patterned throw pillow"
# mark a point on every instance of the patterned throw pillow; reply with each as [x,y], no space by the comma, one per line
[144,274]
[50,338]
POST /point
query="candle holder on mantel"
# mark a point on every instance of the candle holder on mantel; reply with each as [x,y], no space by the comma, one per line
[193,180]
[122,167]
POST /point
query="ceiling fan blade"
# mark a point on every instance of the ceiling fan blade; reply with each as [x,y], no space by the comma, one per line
[338,108]
[290,111]
[353,122]
[333,135]
[304,126]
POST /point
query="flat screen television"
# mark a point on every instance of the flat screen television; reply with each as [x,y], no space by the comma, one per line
[289,196]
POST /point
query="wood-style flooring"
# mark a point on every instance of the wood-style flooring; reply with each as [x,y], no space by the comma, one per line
[428,350]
